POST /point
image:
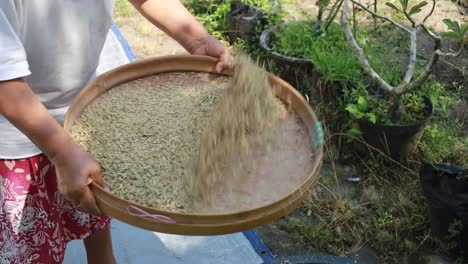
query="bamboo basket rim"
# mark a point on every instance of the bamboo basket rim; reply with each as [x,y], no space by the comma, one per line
[186,63]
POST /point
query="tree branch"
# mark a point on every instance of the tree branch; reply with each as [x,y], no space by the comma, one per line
[429,32]
[412,60]
[451,54]
[430,13]
[427,71]
[359,52]
[380,16]
[406,83]
[413,23]
[336,7]
[438,41]
[430,64]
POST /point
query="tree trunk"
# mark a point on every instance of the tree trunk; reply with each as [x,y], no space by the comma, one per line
[396,108]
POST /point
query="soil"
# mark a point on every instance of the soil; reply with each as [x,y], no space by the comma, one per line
[147,40]
[453,72]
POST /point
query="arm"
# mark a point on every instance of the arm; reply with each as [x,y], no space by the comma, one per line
[173,18]
[75,167]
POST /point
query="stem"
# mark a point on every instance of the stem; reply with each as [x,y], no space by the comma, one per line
[430,33]
[318,22]
[412,59]
[437,52]
[451,54]
[360,53]
[413,24]
[375,11]
[354,21]
[334,12]
[396,109]
[430,13]
[429,66]
[380,16]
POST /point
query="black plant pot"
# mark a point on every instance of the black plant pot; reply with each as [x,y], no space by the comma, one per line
[243,20]
[396,140]
[298,72]
[314,259]
[446,190]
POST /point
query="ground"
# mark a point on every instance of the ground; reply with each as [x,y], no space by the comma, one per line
[147,41]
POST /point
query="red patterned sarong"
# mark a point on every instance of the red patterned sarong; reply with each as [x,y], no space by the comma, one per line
[36,221]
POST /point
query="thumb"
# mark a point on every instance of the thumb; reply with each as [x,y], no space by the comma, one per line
[96,176]
[88,202]
[220,67]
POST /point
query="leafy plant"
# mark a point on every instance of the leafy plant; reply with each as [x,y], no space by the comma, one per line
[213,14]
[361,110]
[395,92]
[445,142]
[335,60]
[327,12]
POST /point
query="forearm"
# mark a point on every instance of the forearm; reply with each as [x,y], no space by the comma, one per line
[173,18]
[23,109]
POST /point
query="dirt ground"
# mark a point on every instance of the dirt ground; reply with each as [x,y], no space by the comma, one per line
[148,41]
[145,39]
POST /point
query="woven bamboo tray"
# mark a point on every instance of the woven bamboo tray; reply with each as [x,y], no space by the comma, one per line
[197,224]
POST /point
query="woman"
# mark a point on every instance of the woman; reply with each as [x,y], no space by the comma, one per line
[49,50]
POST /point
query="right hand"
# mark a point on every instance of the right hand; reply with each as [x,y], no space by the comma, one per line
[76,169]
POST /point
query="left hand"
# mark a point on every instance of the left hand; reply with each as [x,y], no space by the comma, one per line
[211,46]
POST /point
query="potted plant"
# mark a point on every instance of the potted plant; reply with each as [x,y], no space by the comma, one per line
[287,45]
[400,132]
[245,17]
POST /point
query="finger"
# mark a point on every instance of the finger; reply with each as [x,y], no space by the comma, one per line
[226,57]
[96,176]
[219,67]
[225,61]
[88,202]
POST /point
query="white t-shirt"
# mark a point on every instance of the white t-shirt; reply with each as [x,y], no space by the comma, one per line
[55,45]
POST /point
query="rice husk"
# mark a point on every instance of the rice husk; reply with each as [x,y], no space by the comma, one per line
[240,121]
[144,134]
[197,142]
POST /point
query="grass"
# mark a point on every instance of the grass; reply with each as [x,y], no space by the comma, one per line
[124,9]
[387,210]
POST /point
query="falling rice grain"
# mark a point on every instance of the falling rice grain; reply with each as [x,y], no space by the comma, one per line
[196,141]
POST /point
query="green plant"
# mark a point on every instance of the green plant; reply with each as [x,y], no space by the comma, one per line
[395,92]
[329,52]
[327,13]
[213,14]
[333,57]
[123,8]
[386,211]
[445,142]
[361,110]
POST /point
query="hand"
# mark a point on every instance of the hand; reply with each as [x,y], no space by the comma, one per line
[211,46]
[76,169]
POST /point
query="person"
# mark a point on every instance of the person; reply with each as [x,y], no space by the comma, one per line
[49,50]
